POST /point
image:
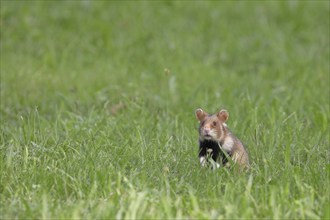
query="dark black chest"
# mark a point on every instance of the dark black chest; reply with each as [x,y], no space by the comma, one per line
[208,148]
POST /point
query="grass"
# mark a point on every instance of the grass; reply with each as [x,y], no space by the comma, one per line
[98,100]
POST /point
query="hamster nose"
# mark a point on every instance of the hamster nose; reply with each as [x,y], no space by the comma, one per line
[207,130]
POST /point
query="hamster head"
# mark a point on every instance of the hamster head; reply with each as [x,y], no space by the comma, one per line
[211,127]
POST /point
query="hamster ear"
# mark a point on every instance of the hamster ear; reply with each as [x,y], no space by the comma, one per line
[200,114]
[223,115]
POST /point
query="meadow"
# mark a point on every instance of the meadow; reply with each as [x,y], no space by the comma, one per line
[98,101]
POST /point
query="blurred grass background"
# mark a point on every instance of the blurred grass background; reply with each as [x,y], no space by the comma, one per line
[98,100]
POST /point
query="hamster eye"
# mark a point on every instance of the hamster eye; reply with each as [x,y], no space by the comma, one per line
[214,123]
